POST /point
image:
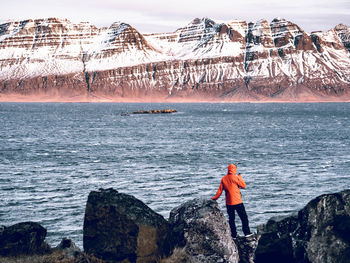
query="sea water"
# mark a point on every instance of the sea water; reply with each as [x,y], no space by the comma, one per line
[53,154]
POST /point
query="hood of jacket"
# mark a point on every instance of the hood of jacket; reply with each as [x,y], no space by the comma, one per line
[232,169]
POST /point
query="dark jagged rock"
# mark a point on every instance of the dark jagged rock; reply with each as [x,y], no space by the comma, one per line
[25,238]
[154,111]
[246,248]
[201,228]
[165,111]
[319,233]
[121,228]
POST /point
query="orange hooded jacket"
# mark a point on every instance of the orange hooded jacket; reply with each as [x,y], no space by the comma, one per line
[231,184]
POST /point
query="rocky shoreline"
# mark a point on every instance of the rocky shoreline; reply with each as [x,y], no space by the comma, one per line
[120,228]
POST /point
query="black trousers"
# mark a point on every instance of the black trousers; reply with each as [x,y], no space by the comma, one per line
[242,215]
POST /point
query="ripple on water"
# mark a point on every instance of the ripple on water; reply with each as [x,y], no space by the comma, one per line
[53,155]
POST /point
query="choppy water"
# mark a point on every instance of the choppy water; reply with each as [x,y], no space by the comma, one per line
[52,155]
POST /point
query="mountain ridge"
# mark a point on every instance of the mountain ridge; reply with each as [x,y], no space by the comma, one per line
[204,60]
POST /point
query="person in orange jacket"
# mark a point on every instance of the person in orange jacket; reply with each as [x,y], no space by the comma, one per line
[231,183]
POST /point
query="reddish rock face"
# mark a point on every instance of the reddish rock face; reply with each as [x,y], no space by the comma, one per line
[55,59]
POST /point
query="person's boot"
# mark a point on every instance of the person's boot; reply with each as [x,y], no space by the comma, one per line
[249,235]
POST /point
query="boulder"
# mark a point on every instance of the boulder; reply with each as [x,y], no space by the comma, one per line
[200,227]
[320,232]
[25,238]
[120,228]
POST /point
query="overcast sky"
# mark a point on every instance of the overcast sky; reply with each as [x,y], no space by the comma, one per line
[166,16]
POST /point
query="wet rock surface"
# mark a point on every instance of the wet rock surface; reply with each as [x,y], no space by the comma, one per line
[25,238]
[320,232]
[201,229]
[120,228]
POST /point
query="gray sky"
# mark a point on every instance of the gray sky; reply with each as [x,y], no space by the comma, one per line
[166,16]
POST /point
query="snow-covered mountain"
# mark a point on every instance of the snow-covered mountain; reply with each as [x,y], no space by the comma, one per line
[204,60]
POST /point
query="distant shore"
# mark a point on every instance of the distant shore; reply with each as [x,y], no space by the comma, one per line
[87,99]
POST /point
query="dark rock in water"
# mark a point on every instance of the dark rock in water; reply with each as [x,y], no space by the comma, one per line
[246,248]
[201,228]
[320,232]
[68,247]
[25,238]
[165,111]
[121,228]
